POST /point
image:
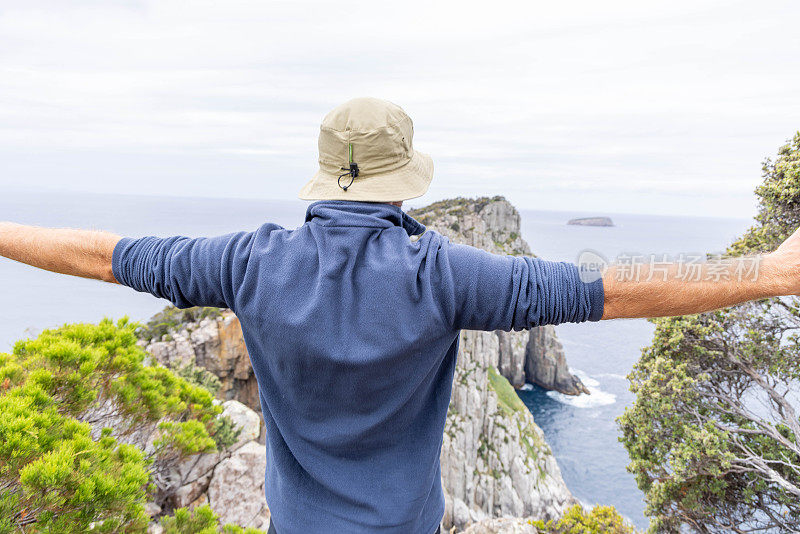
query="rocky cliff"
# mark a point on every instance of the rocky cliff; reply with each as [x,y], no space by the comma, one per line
[211,339]
[546,363]
[230,481]
[495,461]
[205,344]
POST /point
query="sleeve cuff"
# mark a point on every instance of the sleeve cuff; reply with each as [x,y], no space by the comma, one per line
[596,299]
[117,268]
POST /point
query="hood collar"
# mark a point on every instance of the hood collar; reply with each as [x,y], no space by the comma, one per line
[365,214]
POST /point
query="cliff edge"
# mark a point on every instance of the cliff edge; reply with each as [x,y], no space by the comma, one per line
[495,461]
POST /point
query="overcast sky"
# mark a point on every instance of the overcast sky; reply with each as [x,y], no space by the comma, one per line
[615,106]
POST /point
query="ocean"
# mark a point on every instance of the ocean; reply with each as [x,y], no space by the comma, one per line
[581,430]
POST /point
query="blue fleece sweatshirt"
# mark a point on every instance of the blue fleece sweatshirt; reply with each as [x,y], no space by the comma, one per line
[352,330]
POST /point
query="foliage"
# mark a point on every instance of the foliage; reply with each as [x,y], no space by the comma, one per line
[170,318]
[779,202]
[201,520]
[77,409]
[509,401]
[600,520]
[199,376]
[714,433]
[56,478]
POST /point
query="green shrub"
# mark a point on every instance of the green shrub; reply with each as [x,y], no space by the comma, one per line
[600,520]
[714,433]
[77,405]
[201,520]
[200,376]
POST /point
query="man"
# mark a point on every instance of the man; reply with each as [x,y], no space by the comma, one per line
[352,326]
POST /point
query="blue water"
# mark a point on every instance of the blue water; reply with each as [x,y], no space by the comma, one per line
[580,430]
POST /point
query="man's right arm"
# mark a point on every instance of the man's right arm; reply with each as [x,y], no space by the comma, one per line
[186,271]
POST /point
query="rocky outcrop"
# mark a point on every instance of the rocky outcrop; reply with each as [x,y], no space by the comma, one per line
[503,525]
[236,491]
[495,461]
[492,224]
[231,481]
[546,364]
[591,221]
[216,344]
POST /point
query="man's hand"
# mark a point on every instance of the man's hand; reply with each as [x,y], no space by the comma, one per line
[677,289]
[786,259]
[85,253]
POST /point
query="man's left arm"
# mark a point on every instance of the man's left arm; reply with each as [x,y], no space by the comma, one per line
[84,253]
[673,289]
[200,271]
[186,271]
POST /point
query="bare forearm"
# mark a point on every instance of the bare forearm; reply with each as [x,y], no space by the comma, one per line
[674,289]
[84,253]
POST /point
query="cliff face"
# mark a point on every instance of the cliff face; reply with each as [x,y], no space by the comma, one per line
[230,481]
[215,343]
[495,461]
[546,364]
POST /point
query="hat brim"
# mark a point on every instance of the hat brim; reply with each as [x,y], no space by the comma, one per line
[407,182]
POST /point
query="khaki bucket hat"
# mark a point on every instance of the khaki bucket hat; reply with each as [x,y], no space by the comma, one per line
[366,153]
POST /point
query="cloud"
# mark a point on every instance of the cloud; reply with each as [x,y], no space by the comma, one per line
[682,98]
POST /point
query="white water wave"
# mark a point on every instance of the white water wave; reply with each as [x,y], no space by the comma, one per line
[597,398]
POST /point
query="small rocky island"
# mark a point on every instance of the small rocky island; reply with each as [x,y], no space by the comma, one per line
[591,221]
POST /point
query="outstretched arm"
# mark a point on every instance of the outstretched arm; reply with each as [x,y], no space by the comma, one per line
[673,289]
[85,253]
[186,271]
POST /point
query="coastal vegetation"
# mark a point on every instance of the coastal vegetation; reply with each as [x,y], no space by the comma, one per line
[88,429]
[170,318]
[576,520]
[714,433]
[201,520]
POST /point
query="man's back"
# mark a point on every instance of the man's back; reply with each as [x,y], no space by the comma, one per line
[354,358]
[352,329]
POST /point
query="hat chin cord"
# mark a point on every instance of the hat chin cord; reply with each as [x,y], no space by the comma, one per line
[352,171]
